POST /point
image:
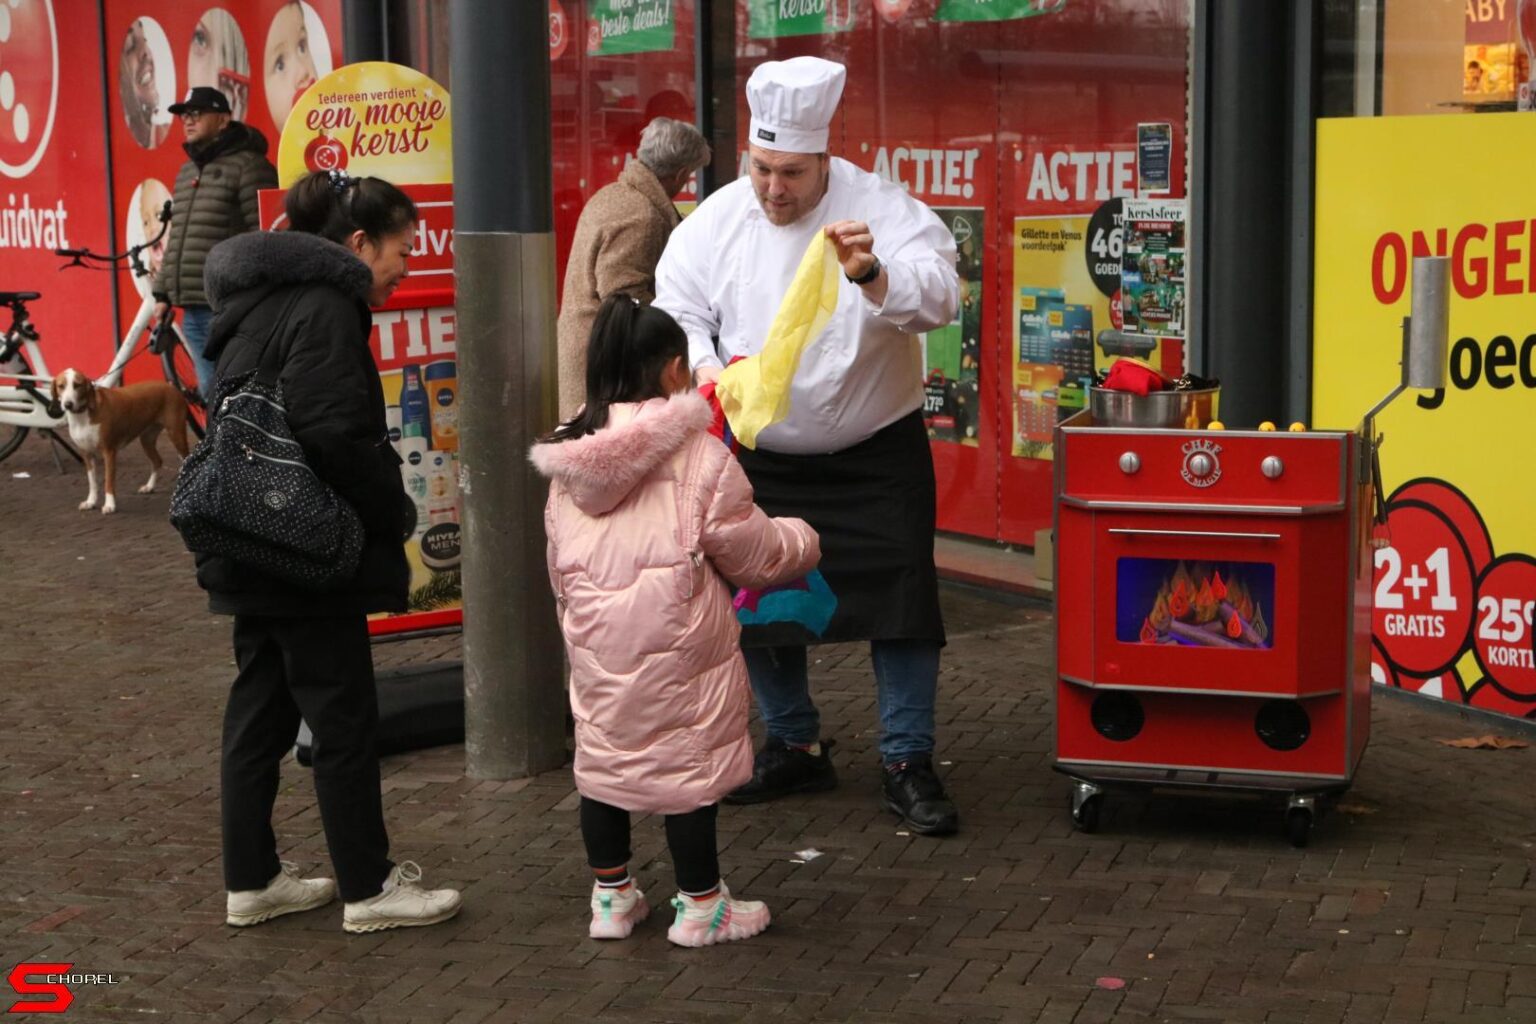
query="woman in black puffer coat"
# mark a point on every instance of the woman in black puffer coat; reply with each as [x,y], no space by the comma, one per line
[305,652]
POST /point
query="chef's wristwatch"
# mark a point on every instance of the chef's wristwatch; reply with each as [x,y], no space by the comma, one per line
[868,275]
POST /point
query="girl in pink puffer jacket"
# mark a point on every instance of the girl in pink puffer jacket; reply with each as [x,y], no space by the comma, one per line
[650,520]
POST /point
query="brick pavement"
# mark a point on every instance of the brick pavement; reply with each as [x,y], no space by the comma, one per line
[1414,903]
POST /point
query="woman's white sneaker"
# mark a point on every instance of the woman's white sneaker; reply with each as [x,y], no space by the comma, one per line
[402,904]
[285,894]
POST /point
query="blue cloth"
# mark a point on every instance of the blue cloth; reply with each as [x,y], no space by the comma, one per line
[196,321]
[808,601]
[906,677]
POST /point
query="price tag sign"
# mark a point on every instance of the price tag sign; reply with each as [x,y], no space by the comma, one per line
[1424,589]
[1502,637]
[1105,245]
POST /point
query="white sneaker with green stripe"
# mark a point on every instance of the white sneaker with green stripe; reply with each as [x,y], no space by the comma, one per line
[718,918]
[615,912]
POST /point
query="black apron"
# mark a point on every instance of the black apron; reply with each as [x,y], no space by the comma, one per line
[873,505]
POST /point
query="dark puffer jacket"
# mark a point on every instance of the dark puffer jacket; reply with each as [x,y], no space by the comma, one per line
[310,297]
[215,199]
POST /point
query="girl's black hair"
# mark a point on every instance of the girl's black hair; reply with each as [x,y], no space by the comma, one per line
[333,205]
[627,352]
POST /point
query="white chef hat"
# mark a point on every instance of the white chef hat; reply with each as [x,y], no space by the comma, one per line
[792,103]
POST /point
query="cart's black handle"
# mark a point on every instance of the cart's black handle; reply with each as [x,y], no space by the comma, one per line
[1380,499]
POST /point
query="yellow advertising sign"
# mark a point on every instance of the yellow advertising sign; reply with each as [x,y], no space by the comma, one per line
[1060,311]
[1455,584]
[1057,313]
[374,118]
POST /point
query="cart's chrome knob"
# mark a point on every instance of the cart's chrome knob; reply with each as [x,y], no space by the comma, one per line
[1201,465]
[1272,467]
[1130,463]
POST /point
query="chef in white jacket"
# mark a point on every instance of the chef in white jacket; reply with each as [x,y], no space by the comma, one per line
[852,455]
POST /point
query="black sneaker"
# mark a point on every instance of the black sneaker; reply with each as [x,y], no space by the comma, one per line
[779,770]
[913,790]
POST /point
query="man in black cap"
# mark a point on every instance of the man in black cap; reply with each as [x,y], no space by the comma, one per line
[215,199]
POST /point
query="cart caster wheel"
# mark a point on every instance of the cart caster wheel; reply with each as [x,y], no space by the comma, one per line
[1086,815]
[1298,826]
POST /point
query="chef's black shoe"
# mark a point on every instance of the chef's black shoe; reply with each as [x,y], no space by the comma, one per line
[913,790]
[780,769]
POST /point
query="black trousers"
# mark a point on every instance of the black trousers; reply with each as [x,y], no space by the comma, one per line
[320,668]
[690,838]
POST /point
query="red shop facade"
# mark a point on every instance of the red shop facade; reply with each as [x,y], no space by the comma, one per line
[994,113]
[1000,115]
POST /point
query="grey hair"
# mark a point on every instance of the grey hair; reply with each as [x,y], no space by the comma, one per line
[669,147]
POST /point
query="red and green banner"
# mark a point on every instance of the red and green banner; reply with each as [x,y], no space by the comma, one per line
[995,10]
[630,26]
[773,19]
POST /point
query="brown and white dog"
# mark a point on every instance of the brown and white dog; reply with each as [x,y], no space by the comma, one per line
[102,420]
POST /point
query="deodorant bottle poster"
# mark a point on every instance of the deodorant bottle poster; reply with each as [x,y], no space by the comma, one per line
[339,124]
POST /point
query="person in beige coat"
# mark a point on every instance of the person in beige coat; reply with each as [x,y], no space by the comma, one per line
[619,238]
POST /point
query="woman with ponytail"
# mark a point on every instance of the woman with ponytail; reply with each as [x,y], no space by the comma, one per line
[299,300]
[650,521]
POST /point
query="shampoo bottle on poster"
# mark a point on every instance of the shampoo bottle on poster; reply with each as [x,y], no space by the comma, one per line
[414,471]
[415,419]
[443,403]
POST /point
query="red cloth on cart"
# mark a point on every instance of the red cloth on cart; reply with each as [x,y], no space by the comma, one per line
[1137,378]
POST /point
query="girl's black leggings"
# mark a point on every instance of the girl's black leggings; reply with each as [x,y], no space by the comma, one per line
[690,838]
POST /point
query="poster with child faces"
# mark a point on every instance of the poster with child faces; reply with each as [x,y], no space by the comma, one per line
[218,57]
[296,55]
[143,223]
[146,81]
[259,53]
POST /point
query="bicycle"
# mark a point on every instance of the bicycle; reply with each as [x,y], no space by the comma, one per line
[26,405]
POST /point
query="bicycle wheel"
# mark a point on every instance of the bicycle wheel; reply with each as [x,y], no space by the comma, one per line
[181,372]
[11,437]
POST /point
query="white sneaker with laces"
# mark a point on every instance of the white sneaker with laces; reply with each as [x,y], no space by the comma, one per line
[402,904]
[716,919]
[285,894]
[615,912]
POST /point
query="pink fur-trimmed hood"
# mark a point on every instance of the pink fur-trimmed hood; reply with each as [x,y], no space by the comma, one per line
[600,470]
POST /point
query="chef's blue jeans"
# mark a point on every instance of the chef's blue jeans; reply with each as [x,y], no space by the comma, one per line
[196,321]
[906,677]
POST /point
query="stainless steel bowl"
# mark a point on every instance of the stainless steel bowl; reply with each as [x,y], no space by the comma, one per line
[1187,410]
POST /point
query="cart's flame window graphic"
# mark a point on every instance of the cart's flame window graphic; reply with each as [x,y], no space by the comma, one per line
[1221,605]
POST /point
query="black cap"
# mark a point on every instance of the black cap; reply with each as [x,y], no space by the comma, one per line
[202,97]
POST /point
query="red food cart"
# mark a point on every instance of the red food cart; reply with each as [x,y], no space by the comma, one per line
[1214,600]
[1213,609]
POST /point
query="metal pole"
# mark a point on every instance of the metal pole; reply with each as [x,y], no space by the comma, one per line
[1305,76]
[504,266]
[362,30]
[714,67]
[1241,133]
[703,88]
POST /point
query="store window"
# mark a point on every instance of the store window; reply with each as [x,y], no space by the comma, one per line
[1407,57]
[1025,125]
[1018,122]
[614,65]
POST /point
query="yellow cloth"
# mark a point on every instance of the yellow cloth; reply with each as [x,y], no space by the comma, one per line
[754,392]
